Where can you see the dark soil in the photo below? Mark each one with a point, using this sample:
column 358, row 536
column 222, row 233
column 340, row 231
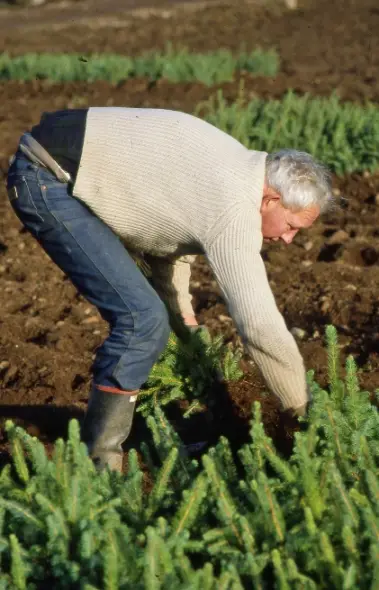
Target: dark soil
column 324, row 46
column 49, row 334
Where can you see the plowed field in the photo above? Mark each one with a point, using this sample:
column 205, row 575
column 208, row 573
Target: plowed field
column 330, row 274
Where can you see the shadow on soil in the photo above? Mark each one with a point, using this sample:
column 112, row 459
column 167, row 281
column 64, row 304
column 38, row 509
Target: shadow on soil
column 46, row 422
column 228, row 414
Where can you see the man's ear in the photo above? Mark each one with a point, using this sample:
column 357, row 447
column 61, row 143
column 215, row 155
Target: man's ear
column 270, row 199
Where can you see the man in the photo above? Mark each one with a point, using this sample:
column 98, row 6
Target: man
column 96, row 185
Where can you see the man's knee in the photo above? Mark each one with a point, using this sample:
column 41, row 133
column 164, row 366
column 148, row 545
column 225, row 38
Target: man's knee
column 153, row 326
column 133, row 346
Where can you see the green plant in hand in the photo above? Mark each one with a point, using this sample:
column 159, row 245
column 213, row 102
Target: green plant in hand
column 188, row 370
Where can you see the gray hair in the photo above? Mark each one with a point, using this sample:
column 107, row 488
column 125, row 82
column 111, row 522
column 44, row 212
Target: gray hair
column 300, row 180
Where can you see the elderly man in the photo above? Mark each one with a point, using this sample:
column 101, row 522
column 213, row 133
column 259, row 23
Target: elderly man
column 96, row 185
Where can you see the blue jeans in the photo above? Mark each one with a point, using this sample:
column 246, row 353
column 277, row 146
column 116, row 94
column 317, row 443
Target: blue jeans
column 99, row 266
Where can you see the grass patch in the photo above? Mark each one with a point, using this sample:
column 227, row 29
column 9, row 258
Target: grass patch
column 174, row 65
column 344, row 136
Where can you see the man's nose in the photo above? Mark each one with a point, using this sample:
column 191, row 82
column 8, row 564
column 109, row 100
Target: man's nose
column 289, row 236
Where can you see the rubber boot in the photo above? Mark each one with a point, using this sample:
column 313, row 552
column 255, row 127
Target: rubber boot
column 107, row 425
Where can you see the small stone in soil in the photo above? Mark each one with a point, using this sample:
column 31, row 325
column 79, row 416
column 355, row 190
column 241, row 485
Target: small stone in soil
column 91, row 320
column 224, row 318
column 298, row 333
column 325, row 306
column 11, row 374
column 4, row 366
column 338, row 237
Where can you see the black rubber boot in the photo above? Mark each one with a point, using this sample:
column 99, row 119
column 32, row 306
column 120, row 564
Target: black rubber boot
column 107, row 425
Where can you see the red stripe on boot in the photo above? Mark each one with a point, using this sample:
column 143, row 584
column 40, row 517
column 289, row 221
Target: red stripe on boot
column 109, row 389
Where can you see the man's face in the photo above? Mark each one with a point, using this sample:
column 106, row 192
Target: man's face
column 279, row 223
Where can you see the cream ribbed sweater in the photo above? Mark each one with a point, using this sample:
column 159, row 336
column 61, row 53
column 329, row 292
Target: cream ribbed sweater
column 171, row 185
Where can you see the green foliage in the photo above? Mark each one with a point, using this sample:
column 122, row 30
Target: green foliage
column 188, row 371
column 309, row 522
column 343, row 136
column 174, row 65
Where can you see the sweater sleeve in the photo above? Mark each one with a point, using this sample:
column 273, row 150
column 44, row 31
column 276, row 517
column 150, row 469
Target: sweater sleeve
column 170, row 279
column 234, row 257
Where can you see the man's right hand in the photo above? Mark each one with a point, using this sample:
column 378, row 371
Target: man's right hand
column 304, row 409
column 190, row 320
